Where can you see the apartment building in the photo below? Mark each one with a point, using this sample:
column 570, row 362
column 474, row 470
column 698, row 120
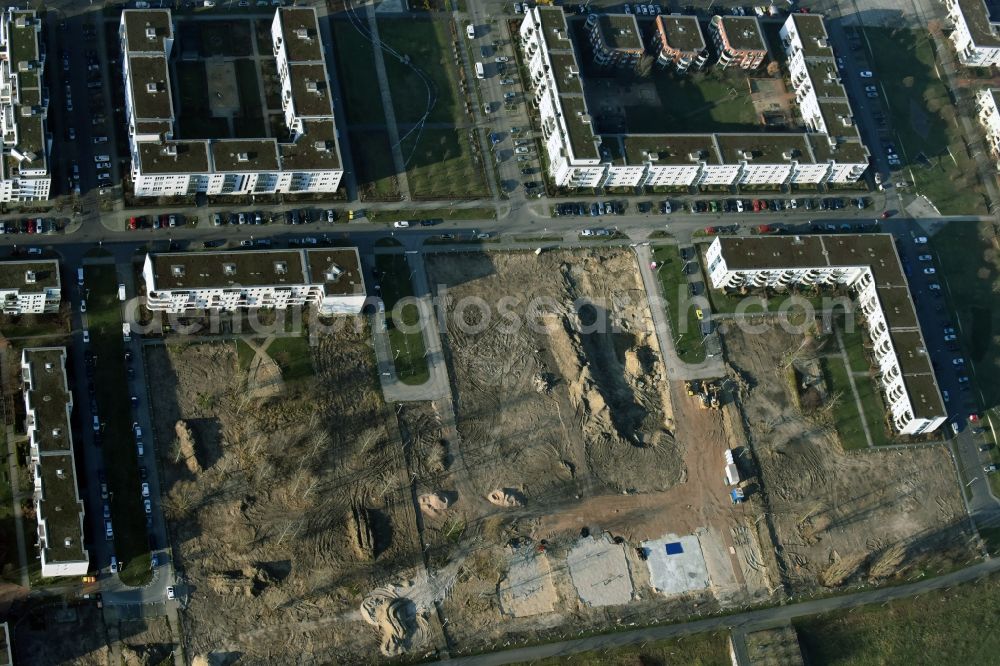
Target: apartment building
column 975, row 34
column 329, row 279
column 678, row 41
column 24, row 100
column 988, row 111
column 166, row 164
column 615, row 40
column 48, row 405
column 579, row 157
column 870, row 267
column 30, row 287
column 738, row 41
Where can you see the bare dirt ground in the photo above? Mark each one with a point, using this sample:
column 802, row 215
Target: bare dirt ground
column 841, row 517
column 297, row 506
column 570, row 402
column 146, row 641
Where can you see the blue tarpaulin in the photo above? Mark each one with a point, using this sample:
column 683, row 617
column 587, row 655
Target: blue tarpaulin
column 674, row 548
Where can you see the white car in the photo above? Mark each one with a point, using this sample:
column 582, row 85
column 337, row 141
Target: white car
column 521, row 150
column 104, row 165
column 865, row 74
column 148, row 506
column 934, row 286
column 145, row 489
column 86, row 336
column 920, row 240
column 925, row 257
column 83, row 306
column 114, row 564
column 170, row 592
column 401, row 224
column 929, row 271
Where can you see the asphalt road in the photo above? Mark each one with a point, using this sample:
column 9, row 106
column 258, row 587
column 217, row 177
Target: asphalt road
column 748, row 621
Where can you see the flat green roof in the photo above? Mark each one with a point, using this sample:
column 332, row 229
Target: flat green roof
column 812, row 32
column 141, row 23
column 310, row 89
column 838, row 117
column 743, row 33
column 681, row 32
column 24, row 40
column 300, row 32
column 173, row 157
column 674, row 149
column 337, row 269
column 566, row 71
column 223, row 270
column 150, row 84
column 554, row 29
column 846, row 151
column 581, row 132
column 768, row 148
column 619, row 31
column 315, row 150
column 243, row 155
column 825, row 79
column 13, row 275
column 61, row 509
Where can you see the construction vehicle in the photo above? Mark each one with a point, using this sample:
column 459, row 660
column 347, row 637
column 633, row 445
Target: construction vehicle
column 706, row 391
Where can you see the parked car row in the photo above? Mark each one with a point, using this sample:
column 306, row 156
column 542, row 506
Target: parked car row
column 31, row 225
column 594, row 209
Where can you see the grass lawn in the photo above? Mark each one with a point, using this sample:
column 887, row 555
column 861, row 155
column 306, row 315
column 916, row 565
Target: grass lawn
column 249, row 89
column 374, row 169
column 120, row 461
column 476, row 213
column 427, row 44
column 356, row 73
column 854, row 345
column 753, row 304
column 960, row 625
column 871, row 403
column 192, row 86
column 711, row 101
column 443, row 164
column 407, row 347
column 225, row 38
column 846, row 418
column 293, row 357
column 709, row 649
column 923, row 117
column 683, row 322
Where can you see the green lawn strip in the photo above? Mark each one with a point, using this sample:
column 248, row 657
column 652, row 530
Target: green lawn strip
column 293, row 357
column 970, row 270
column 708, row 649
column 442, row 164
column 192, row 84
column 854, row 345
column 684, row 325
column 698, row 102
column 871, row 403
column 957, row 625
column 477, row 213
column 923, row 117
column 407, row 347
column 121, row 463
column 9, row 563
column 357, row 75
column 846, row 418
column 427, row 45
column 249, row 88
column 723, row 303
column 373, row 164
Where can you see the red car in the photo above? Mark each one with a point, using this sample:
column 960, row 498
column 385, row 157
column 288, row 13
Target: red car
column 885, row 214
column 31, row 226
column 756, row 206
column 133, row 224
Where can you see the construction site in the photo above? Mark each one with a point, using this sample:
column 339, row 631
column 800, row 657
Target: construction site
column 565, row 483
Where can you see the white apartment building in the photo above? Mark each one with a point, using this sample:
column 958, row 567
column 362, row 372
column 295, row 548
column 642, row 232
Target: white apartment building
column 975, row 35
column 328, row 278
column 580, row 158
column 165, row 164
column 869, row 266
column 24, row 99
column 48, row 405
column 30, row 287
column 988, row 111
